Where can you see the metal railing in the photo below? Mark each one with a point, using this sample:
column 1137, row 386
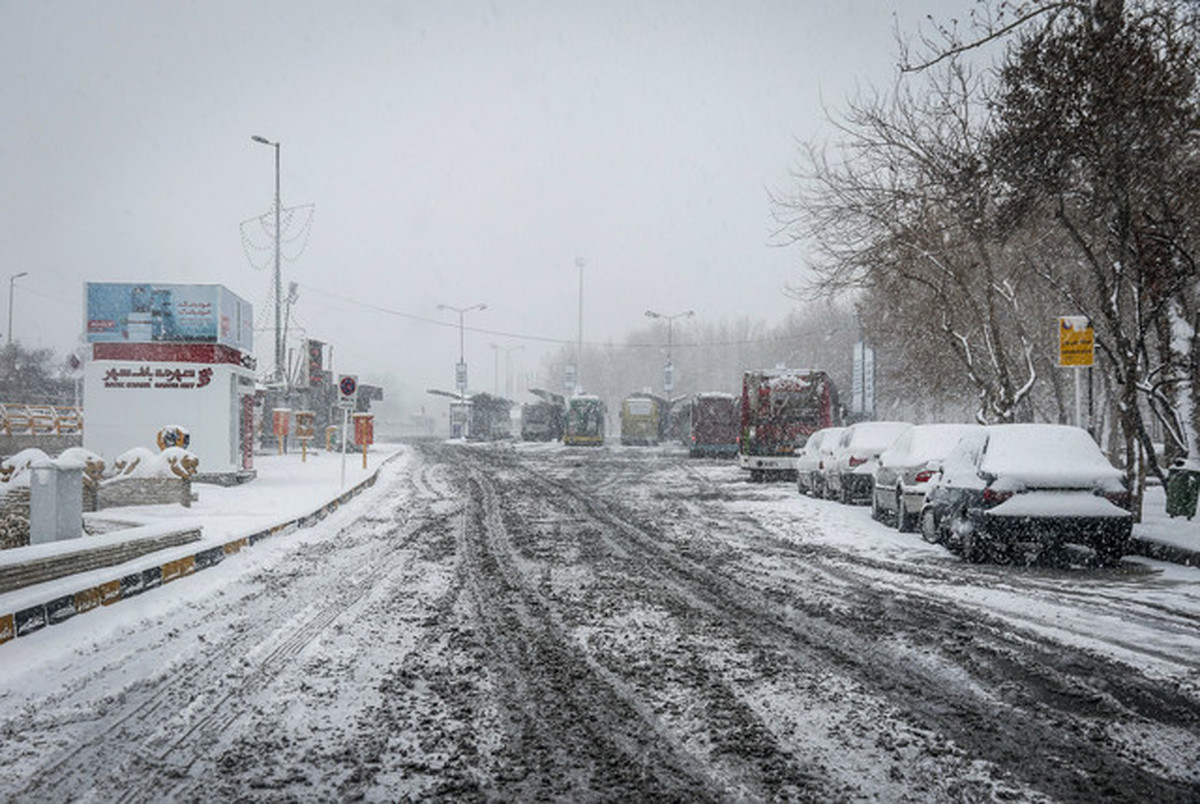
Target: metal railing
column 18, row 419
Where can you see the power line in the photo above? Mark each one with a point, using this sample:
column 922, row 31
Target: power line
column 536, row 338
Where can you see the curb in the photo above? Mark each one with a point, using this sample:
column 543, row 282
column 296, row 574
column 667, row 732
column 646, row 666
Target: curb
column 62, row 608
column 1161, row 551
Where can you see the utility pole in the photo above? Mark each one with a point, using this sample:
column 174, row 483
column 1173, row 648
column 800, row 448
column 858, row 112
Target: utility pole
column 460, row 373
column 279, row 356
column 669, row 369
column 580, row 262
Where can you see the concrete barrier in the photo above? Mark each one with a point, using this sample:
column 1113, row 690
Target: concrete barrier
column 88, row 557
column 59, row 609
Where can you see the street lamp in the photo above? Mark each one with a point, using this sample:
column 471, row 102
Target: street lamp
column 460, row 374
column 669, row 369
column 580, row 262
column 11, row 284
column 279, row 362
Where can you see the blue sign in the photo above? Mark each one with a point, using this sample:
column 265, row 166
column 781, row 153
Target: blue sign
column 142, row 312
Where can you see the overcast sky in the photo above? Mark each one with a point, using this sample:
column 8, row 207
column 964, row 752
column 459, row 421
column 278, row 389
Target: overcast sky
column 456, row 153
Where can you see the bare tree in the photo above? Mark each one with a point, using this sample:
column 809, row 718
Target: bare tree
column 1098, row 133
column 907, row 214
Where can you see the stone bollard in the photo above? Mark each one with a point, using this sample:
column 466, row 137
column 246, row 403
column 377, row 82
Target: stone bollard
column 55, row 501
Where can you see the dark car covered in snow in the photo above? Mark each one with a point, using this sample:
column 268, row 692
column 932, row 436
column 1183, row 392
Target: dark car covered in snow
column 1009, row 489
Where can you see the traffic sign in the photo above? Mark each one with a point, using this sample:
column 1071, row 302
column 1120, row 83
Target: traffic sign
column 1076, row 341
column 347, row 391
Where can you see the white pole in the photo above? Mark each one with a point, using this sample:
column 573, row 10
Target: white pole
column 580, row 262
column 1078, row 398
column 345, row 418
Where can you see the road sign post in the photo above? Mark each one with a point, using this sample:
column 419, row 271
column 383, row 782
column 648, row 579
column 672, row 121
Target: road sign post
column 1077, row 349
column 347, row 400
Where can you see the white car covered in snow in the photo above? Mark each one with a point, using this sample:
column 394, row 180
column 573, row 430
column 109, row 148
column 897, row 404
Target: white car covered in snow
column 1036, row 486
column 850, row 476
column 905, row 468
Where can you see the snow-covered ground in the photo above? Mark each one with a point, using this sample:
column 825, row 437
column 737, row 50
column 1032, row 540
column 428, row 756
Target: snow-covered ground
column 532, row 621
column 288, row 488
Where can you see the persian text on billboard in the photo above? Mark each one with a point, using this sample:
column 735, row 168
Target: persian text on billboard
column 144, row 313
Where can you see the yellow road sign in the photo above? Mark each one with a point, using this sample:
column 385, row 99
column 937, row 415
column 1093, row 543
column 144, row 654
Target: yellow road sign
column 1076, row 341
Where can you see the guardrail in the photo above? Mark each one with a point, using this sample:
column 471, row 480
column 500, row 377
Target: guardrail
column 19, row 419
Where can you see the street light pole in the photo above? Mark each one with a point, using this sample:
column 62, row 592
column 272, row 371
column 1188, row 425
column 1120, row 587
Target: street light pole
column 461, row 380
column 668, row 378
column 579, row 263
column 279, row 361
column 11, row 284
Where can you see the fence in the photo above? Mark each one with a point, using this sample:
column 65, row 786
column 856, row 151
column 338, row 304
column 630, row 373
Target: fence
column 56, row 420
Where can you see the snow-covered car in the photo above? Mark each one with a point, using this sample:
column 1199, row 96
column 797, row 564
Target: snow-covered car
column 1011, row 487
column 809, row 457
column 849, row 477
column 904, row 470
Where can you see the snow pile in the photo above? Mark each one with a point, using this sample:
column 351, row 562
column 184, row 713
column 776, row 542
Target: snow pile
column 141, row 462
column 15, row 469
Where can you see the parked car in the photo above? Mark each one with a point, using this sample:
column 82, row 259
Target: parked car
column 1018, row 486
column 849, row 477
column 808, row 460
column 905, row 468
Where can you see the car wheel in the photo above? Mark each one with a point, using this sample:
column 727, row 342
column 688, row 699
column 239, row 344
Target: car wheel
column 876, row 512
column 756, row 476
column 930, row 531
column 972, row 544
column 844, row 493
column 974, row 550
column 904, row 520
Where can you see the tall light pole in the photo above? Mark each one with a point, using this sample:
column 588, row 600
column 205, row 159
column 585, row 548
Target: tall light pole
column 11, row 284
column 279, row 359
column 580, row 262
column 669, row 369
column 460, row 373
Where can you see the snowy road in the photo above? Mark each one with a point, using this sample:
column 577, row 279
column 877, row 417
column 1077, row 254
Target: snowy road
column 616, row 623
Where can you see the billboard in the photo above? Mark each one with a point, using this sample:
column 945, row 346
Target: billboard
column 142, row 312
